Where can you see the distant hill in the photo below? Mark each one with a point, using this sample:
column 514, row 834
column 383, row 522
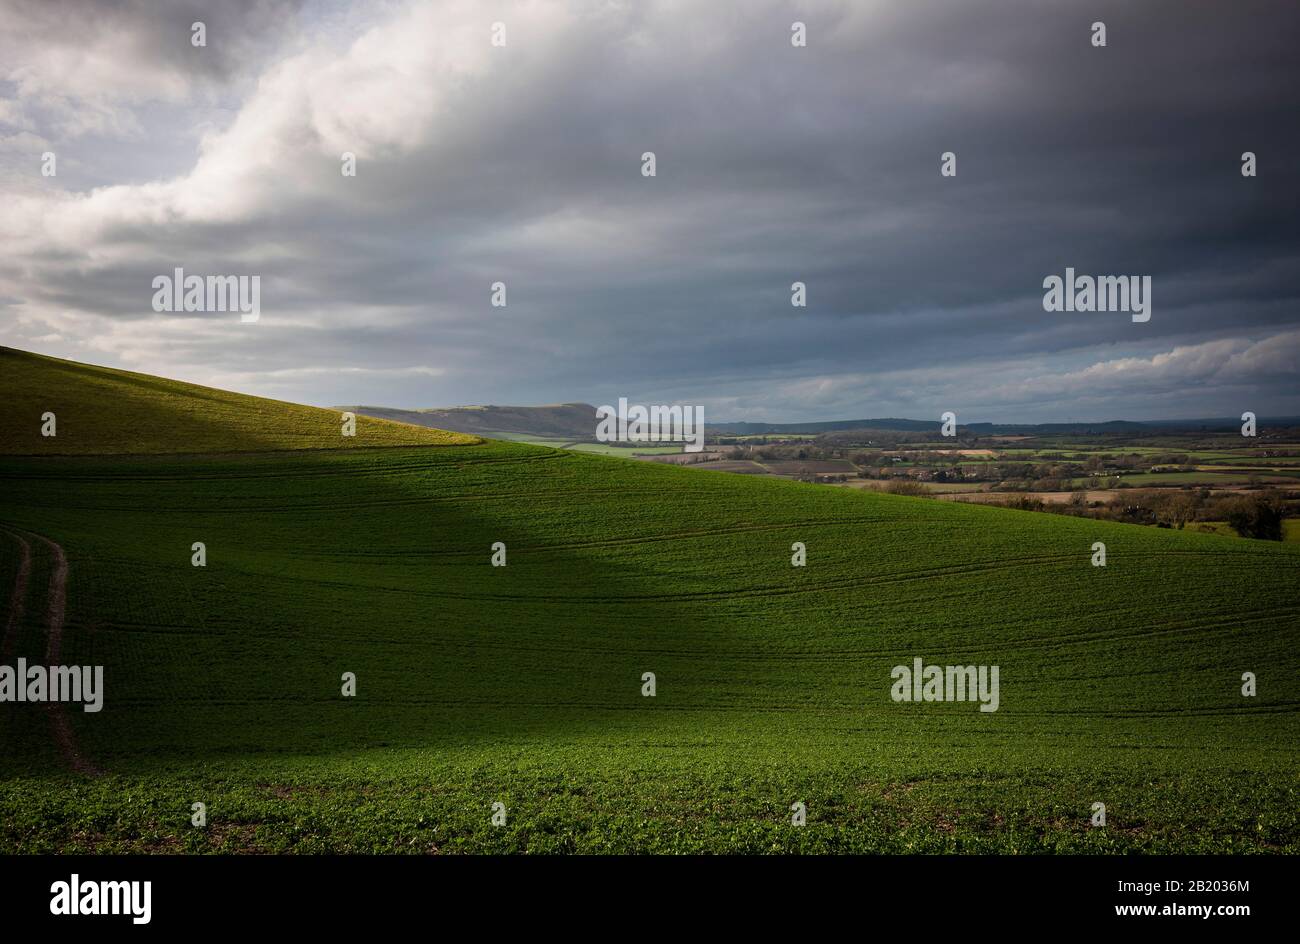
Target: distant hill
column 992, row 429
column 100, row 411
column 559, row 420
column 577, row 421
column 826, row 426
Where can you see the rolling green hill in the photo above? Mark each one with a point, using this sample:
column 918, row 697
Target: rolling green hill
column 99, row 410
column 563, row 421
column 523, row 684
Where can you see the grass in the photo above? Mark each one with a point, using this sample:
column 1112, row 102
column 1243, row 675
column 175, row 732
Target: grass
column 99, row 410
column 523, row 684
column 596, row 448
column 1148, row 479
column 626, row 452
column 1286, row 463
column 1212, row 527
column 510, row 436
column 1290, row 528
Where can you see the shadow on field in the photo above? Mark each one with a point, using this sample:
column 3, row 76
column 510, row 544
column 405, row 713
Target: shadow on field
column 374, row 563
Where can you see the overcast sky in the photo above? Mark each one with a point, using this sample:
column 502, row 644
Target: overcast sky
column 522, row 164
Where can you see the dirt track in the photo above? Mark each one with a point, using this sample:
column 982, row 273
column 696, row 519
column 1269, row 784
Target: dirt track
column 18, row 599
column 55, row 610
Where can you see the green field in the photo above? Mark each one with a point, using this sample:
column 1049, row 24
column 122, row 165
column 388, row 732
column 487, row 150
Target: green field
column 98, row 410
column 522, row 684
column 596, row 448
column 626, row 452
column 1290, row 528
column 1211, row 479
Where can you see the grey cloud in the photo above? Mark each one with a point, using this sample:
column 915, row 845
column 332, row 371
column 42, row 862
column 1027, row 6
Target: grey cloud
column 775, row 164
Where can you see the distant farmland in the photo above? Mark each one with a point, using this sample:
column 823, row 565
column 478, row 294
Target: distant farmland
column 523, row 684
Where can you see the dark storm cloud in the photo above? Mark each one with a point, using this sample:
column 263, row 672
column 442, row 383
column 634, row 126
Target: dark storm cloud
column 775, row 164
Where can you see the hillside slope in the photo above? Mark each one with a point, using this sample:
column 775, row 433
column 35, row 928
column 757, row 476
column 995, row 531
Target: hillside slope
column 575, row 421
column 524, row 684
column 99, row 410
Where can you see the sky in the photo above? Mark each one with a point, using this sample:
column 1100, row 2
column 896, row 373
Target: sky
column 522, row 163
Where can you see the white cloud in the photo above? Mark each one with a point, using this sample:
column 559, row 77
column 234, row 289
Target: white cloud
column 522, row 164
